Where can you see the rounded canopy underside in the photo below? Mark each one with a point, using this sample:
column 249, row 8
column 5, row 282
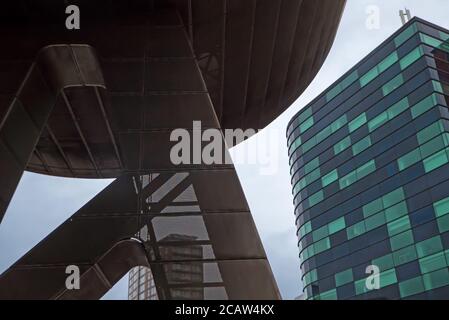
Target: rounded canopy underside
column 255, row 57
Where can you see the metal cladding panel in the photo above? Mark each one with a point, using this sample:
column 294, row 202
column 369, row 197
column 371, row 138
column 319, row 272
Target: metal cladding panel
column 26, row 116
column 161, row 206
column 255, row 58
column 175, row 211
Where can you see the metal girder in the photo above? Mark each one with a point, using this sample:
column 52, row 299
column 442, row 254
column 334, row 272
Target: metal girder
column 190, row 217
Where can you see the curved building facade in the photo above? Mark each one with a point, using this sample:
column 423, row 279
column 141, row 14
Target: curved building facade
column 370, row 173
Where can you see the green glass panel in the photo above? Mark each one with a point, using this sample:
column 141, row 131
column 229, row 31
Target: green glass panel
column 388, row 62
column 308, row 227
column 337, row 225
column 409, row 159
column 321, row 245
column 372, row 207
column 329, row 295
column 341, row 86
column 309, row 144
column 360, row 286
column 433, row 262
column 387, row 278
column 430, row 40
column 441, row 207
column 435, row 161
column 392, row 85
column 342, row 145
column 443, row 35
column 384, row 263
column 397, row 108
column 344, row 277
column 411, row 57
column 301, row 232
column 393, row 197
column 323, row 134
column 329, row 178
column 306, row 125
column 316, row 198
column 350, row 79
column 311, row 251
column 339, row 123
column 375, row 221
column 436, row 279
column 437, row 86
column 369, row 76
column 429, row 246
column 310, row 277
column 355, row 230
column 378, row 121
column 311, row 165
column 320, row 233
column 411, row 287
column 396, row 211
column 307, row 253
column 298, row 187
column 445, row 136
column 308, row 179
column 357, row 122
column 424, row 105
column 305, row 229
column 332, row 93
column 430, row 132
column 432, row 146
column 443, row 223
column 306, row 280
column 404, row 255
column 313, row 275
column 405, row 35
column 347, row 180
column 303, row 255
column 398, row 226
column 295, row 145
column 362, row 145
column 301, row 184
column 304, row 115
column 366, row 169
column 401, row 240
column 313, row 176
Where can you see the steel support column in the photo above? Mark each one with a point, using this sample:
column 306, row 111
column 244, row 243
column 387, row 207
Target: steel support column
column 195, row 210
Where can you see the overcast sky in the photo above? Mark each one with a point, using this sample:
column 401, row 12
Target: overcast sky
column 41, row 203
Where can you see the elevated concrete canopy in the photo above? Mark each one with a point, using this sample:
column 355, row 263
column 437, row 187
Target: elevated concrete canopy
column 102, row 101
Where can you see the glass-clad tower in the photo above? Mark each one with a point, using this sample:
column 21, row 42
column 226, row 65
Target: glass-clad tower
column 370, row 173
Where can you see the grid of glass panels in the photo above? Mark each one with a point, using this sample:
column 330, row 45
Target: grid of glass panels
column 369, row 134
column 375, row 123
